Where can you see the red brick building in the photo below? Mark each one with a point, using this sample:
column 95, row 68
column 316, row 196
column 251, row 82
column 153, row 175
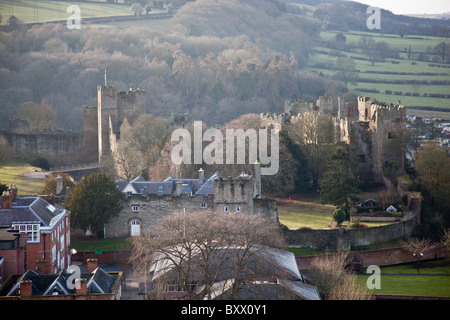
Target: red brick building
column 95, row 284
column 12, row 253
column 47, row 229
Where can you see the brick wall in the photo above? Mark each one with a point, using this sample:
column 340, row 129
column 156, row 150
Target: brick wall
column 380, row 257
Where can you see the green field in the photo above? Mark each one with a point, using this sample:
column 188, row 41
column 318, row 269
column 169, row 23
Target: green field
column 28, row 179
column 30, row 11
column 382, row 75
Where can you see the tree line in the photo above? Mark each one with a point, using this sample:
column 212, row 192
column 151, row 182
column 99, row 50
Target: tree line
column 220, row 60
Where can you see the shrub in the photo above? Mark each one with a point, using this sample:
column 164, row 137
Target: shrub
column 40, row 162
column 338, row 216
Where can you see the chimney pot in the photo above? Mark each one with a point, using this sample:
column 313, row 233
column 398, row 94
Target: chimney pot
column 91, row 265
column 201, row 175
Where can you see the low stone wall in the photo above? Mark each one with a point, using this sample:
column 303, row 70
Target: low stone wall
column 344, row 239
column 376, row 219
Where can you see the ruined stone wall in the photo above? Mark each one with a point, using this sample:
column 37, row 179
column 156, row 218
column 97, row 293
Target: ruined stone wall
column 57, row 146
column 130, row 105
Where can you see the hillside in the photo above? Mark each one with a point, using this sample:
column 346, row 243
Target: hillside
column 215, row 60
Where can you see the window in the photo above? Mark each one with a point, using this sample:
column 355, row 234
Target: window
column 128, row 193
column 203, row 205
column 61, row 241
column 134, row 208
column 32, row 231
column 53, row 254
column 361, row 158
column 225, row 209
column 174, row 286
column 238, row 209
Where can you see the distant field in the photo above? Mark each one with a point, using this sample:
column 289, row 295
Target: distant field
column 22, row 175
column 392, row 79
column 29, row 11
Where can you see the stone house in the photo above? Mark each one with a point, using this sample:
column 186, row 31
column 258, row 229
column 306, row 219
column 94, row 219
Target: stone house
column 147, row 201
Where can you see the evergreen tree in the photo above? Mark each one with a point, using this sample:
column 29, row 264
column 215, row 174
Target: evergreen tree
column 339, row 181
column 93, row 202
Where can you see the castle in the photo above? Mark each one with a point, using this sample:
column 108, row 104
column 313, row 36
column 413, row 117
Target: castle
column 374, row 128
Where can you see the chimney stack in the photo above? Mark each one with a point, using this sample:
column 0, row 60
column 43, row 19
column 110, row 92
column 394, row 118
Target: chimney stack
column 91, row 265
column 257, row 193
column 201, row 175
column 59, row 184
column 26, row 288
column 5, row 200
column 80, row 286
column 178, row 188
column 13, row 192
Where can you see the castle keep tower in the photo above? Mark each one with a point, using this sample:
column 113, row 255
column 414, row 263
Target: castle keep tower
column 113, row 108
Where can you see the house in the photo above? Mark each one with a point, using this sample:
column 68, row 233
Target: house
column 148, row 201
column 264, row 273
column 47, row 229
column 95, row 284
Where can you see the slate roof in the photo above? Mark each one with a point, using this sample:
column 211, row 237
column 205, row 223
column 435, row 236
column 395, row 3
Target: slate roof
column 271, row 274
column 30, row 209
column 98, row 281
column 166, row 187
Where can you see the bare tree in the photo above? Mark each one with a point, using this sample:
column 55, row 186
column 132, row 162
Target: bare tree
column 202, row 254
column 418, row 248
column 333, row 282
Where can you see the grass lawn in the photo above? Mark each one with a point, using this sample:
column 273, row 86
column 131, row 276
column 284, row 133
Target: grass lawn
column 102, row 244
column 433, row 279
column 305, row 210
column 438, row 286
column 16, row 172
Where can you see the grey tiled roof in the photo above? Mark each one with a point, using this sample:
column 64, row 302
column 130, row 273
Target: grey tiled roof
column 208, row 186
column 29, row 209
column 98, row 281
column 166, row 187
